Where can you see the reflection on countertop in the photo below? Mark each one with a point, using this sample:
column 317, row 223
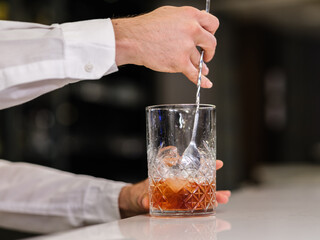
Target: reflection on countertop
column 145, row 227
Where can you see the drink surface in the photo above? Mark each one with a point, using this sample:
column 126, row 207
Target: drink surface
column 175, row 194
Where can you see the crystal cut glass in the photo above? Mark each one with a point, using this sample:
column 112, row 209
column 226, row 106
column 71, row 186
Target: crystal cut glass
column 177, row 189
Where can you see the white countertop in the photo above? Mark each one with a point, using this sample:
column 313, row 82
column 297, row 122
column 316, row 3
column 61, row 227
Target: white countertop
column 287, row 206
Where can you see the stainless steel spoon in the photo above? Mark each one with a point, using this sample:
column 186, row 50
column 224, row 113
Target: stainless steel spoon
column 191, row 156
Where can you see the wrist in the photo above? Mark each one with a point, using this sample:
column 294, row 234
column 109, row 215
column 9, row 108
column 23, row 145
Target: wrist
column 124, row 201
column 126, row 46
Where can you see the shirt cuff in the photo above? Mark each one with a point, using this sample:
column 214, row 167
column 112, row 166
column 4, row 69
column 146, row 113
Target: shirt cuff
column 89, row 49
column 101, row 201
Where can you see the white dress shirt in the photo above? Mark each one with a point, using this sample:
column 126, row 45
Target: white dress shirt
column 40, row 199
column 36, row 59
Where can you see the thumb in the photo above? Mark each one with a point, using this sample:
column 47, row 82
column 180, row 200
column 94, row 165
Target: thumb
column 145, row 202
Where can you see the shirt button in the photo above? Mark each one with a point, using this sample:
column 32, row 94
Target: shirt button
column 88, row 67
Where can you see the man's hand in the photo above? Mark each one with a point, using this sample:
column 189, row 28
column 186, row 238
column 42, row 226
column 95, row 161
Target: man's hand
column 134, row 199
column 165, row 40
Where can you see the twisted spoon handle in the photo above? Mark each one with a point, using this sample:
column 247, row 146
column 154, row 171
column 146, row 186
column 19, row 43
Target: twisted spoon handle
column 201, row 63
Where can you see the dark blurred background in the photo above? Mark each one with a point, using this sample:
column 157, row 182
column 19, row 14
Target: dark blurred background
column 266, row 76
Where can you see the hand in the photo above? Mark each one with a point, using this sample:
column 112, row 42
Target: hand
column 134, row 199
column 165, row 40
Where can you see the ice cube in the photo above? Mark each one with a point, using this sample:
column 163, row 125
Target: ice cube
column 176, row 184
column 169, row 156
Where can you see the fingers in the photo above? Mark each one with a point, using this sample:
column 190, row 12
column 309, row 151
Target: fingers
column 145, row 202
column 208, row 22
column 205, row 69
column 195, row 60
column 191, row 72
column 206, row 40
column 208, row 43
column 133, row 199
column 226, row 193
column 222, row 197
column 219, row 164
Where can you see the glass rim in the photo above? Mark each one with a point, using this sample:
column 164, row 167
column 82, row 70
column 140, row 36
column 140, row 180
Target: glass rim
column 179, row 106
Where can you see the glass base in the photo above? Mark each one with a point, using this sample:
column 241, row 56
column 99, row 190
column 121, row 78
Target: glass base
column 159, row 213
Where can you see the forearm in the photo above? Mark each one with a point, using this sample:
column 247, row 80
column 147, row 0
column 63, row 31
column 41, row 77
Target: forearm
column 65, row 200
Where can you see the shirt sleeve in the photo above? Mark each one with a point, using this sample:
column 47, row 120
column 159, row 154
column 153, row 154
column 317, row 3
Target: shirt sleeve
column 36, row 59
column 63, row 200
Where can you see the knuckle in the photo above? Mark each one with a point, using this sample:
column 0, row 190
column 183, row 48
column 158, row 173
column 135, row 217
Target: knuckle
column 183, row 61
column 216, row 21
column 191, row 11
column 211, row 44
column 209, row 53
column 192, row 75
column 207, row 57
column 187, row 46
column 193, row 29
column 213, row 41
column 187, row 69
column 214, row 24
